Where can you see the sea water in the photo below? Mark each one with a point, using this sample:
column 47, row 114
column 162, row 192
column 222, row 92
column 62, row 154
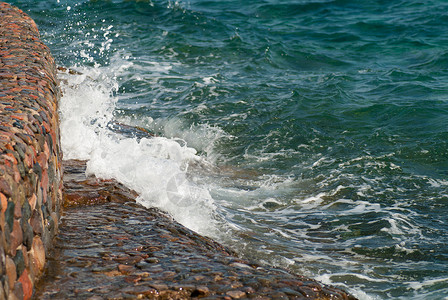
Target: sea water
column 306, row 134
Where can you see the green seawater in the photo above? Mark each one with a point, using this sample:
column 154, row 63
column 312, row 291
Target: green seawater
column 326, row 120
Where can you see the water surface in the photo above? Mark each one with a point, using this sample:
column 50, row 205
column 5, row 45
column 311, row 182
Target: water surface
column 310, row 135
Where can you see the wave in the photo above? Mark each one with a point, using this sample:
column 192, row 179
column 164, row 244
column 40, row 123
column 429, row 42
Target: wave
column 155, row 167
column 315, row 143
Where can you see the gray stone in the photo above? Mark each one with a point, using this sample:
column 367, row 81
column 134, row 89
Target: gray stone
column 26, row 211
column 27, row 234
column 9, row 214
column 19, row 262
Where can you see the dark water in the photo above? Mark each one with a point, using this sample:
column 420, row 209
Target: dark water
column 320, row 126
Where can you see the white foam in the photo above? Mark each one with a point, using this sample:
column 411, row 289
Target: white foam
column 156, row 168
column 436, row 183
column 419, row 285
column 201, row 137
column 312, row 201
column 359, row 294
column 401, row 225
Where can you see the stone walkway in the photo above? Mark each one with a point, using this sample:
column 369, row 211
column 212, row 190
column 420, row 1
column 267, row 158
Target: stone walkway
column 113, row 248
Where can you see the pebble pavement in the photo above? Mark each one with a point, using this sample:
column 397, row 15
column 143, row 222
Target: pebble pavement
column 109, row 247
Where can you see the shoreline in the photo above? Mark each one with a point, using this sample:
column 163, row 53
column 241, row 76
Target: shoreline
column 173, row 263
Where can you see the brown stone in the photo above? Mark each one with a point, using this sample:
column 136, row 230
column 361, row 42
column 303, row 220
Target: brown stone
column 140, row 291
column 25, row 256
column 36, row 223
column 5, row 188
column 27, row 285
column 125, row 269
column 4, row 202
column 33, row 269
column 201, row 291
column 32, row 201
column 132, row 279
column 11, row 272
column 236, row 294
column 38, row 253
column 16, row 237
column 17, row 211
column 159, row 286
column 44, row 181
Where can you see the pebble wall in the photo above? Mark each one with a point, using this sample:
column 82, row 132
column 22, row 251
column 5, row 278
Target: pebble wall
column 30, row 153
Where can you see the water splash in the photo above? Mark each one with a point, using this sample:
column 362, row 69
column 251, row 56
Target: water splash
column 155, row 167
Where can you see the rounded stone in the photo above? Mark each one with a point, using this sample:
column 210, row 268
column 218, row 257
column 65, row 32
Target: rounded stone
column 125, row 269
column 236, row 294
column 11, row 272
column 17, row 211
column 18, row 290
column 28, row 236
column 4, row 202
column 27, row 285
column 9, row 213
column 200, row 291
column 16, row 237
column 26, row 211
column 19, row 262
column 37, row 253
column 36, row 223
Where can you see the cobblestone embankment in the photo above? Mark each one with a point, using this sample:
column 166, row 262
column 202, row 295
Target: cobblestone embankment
column 30, row 157
column 108, row 247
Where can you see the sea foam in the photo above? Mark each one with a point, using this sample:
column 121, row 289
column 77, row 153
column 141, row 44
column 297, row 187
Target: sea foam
column 155, row 167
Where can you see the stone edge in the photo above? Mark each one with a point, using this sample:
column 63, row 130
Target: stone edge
column 30, row 154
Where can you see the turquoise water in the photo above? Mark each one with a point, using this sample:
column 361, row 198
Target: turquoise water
column 313, row 133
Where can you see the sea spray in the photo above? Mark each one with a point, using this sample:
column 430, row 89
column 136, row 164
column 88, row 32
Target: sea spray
column 155, row 167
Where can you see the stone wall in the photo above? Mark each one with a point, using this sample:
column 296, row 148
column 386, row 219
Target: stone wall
column 30, row 153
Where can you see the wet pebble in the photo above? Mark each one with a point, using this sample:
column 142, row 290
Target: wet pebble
column 236, row 294
column 125, row 269
column 152, row 260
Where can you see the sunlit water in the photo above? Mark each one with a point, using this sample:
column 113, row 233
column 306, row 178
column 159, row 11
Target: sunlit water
column 310, row 135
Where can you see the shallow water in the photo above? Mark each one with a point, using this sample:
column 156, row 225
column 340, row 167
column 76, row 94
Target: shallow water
column 306, row 134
